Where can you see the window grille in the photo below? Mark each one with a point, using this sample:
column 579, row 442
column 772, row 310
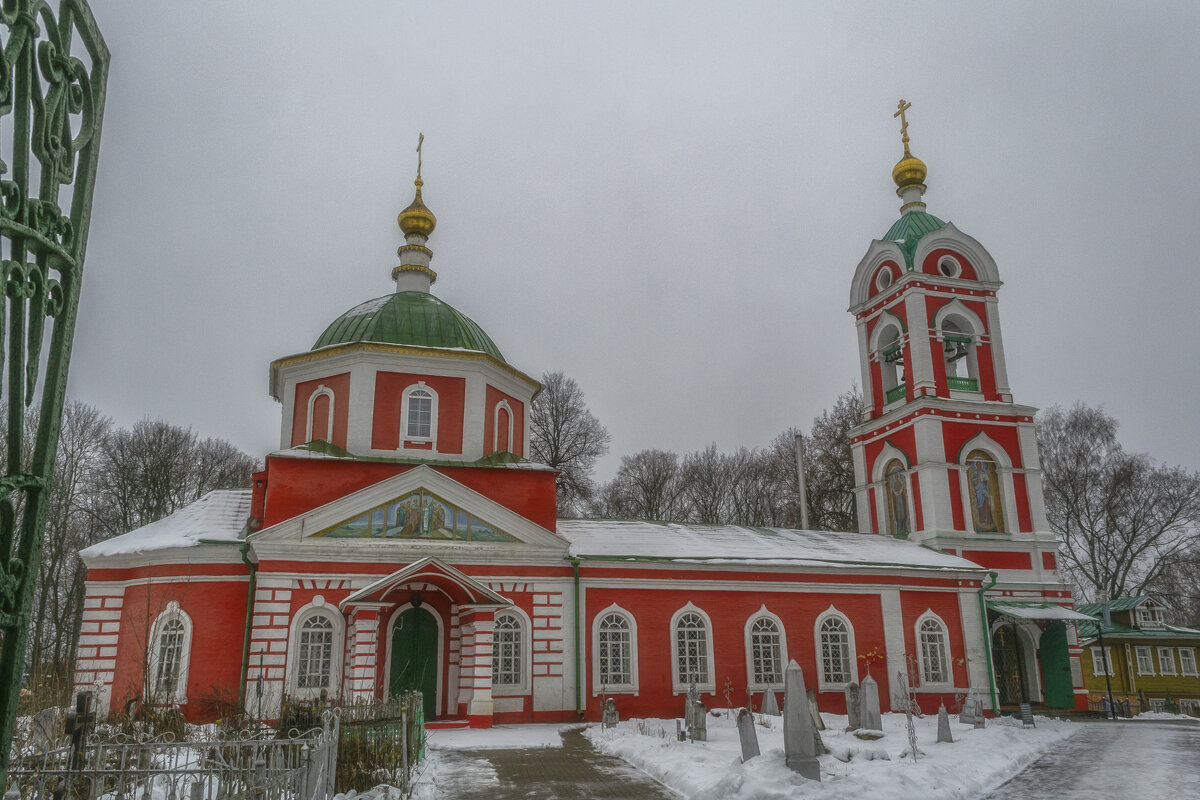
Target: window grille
column 935, row 662
column 691, row 649
column 835, row 651
column 766, row 652
column 314, row 659
column 170, row 658
column 1187, row 659
column 1145, row 664
column 1166, row 661
column 614, row 648
column 506, row 651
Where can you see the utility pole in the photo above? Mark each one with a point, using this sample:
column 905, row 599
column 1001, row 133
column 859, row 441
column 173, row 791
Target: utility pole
column 803, row 483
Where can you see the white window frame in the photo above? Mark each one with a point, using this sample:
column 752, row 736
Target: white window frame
column 1170, row 659
column 1184, row 662
column 824, row 685
column 503, row 404
column 748, row 632
column 1098, row 661
column 947, row 663
column 1158, row 704
column 173, row 611
column 623, row 688
column 321, row 391
column 1190, row 706
column 419, row 386
column 1143, row 667
column 526, row 656
column 336, row 655
column 1004, row 472
column 677, row 685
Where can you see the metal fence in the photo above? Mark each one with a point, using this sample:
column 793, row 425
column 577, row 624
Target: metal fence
column 248, row 765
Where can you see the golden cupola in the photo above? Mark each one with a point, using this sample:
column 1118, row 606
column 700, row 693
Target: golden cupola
column 417, row 219
column 909, row 172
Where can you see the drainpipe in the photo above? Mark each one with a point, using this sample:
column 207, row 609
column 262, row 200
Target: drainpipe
column 578, row 654
column 987, row 639
column 245, row 550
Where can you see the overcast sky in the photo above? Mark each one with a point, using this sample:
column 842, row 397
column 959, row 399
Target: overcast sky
column 666, row 201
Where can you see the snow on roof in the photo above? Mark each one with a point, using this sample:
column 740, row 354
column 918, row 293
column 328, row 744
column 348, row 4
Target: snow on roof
column 635, row 539
column 219, row 515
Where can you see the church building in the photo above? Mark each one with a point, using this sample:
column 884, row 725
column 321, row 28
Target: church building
column 401, row 538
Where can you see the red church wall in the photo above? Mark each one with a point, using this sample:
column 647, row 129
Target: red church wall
column 999, row 559
column 340, row 386
column 930, row 265
column 218, row 613
column 388, row 411
column 1021, row 492
column 728, row 612
column 492, row 399
column 297, row 485
column 945, row 604
column 956, row 504
column 916, row 498
column 957, row 434
column 904, row 439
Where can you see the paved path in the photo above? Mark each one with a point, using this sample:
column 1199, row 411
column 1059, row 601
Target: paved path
column 1142, row 760
column 573, row 772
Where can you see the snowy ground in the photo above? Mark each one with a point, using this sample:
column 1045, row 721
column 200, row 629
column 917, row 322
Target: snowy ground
column 977, row 761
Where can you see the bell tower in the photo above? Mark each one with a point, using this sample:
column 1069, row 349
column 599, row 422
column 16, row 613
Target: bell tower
column 943, row 455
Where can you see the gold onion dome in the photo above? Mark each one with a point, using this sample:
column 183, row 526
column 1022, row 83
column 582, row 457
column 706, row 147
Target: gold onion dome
column 417, row 219
column 909, row 171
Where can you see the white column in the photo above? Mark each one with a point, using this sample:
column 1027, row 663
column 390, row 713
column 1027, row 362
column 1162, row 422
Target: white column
column 920, row 368
column 893, row 643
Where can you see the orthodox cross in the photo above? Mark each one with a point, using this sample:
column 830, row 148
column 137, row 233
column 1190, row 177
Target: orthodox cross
column 420, row 141
column 79, row 726
column 901, row 108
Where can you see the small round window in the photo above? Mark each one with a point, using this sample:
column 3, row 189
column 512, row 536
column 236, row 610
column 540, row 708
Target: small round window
column 949, row 267
column 884, row 279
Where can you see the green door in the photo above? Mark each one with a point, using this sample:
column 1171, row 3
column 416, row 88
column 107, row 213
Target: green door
column 1056, row 667
column 415, row 658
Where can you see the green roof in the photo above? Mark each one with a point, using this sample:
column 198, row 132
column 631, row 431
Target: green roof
column 909, row 229
column 1089, row 630
column 412, row 318
column 1116, row 604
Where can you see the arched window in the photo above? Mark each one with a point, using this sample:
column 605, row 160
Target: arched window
column 983, row 486
column 316, row 651
column 766, row 653
column 891, row 363
column 420, row 415
column 170, row 653
column 508, row 665
column 837, row 652
column 935, row 655
column 896, row 491
column 693, row 650
column 502, row 428
column 615, row 654
column 320, row 415
column 314, row 658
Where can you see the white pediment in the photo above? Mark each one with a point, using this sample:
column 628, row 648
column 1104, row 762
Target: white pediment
column 421, row 509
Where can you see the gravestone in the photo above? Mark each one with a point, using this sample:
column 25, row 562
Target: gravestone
column 699, row 722
column 799, row 734
column 818, row 723
column 1027, row 716
column 747, row 734
column 680, row 735
column 770, row 705
column 689, row 707
column 853, row 707
column 944, row 734
column 972, row 711
column 45, row 729
column 79, row 726
column 871, row 719
column 611, row 718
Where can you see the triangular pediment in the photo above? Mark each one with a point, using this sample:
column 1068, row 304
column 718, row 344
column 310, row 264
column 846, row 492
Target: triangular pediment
column 419, row 507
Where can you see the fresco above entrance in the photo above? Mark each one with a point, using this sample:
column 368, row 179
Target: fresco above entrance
column 418, row 515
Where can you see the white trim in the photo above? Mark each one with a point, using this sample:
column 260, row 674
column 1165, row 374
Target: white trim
column 711, row 684
column 887, row 454
column 503, row 404
column 318, row 607
column 525, row 630
column 1162, row 670
column 1098, row 661
column 954, row 267
column 1191, row 651
column 948, row 663
column 627, row 688
column 1004, row 473
column 1138, row 652
column 822, row 683
column 763, row 613
column 173, row 611
column 321, row 391
column 442, row 699
column 419, row 386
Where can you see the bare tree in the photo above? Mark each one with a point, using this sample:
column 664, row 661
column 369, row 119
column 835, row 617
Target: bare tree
column 1123, row 520
column 648, row 485
column 565, row 435
column 708, row 478
column 829, row 466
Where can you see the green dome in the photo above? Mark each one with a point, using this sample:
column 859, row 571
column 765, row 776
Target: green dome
column 412, row 318
column 909, row 229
